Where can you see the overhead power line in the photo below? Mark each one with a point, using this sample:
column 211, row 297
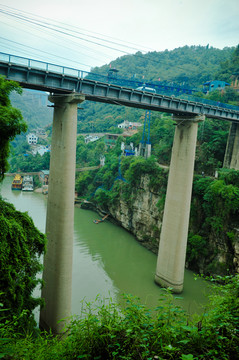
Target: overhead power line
column 88, row 49
column 42, row 51
column 101, row 38
column 69, row 32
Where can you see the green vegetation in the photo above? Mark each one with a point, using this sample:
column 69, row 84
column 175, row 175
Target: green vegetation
column 11, row 121
column 21, row 247
column 214, row 218
column 229, row 68
column 21, row 243
column 104, row 331
column 30, row 163
column 189, row 65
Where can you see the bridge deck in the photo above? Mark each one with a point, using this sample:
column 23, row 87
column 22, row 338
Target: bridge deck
column 59, row 80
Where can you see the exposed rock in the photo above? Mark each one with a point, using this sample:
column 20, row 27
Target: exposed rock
column 141, row 216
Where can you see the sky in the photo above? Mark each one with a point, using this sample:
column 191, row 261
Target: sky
column 86, row 33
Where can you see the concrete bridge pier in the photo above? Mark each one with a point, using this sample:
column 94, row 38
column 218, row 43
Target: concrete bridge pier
column 231, row 158
column 174, row 232
column 57, row 273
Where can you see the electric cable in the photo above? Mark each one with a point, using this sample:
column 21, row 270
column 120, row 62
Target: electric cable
column 47, row 20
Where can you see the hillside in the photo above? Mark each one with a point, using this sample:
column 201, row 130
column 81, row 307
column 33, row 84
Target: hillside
column 189, row 65
column 33, row 106
column 186, row 66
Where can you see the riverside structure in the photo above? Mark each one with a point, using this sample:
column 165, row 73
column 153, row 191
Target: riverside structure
column 68, row 87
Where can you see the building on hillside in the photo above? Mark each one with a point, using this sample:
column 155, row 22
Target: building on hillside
column 214, row 85
column 32, row 139
column 44, row 176
column 111, row 139
column 91, row 138
column 129, row 125
column 41, row 133
column 41, row 150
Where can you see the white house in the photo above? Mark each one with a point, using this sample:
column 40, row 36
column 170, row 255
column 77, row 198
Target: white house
column 129, row 125
column 91, row 138
column 32, row 139
column 41, row 150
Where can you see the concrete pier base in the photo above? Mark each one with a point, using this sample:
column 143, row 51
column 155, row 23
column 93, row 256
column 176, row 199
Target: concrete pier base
column 174, row 233
column 57, row 273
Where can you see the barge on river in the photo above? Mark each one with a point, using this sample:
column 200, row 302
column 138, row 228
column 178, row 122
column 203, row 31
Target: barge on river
column 17, row 182
column 27, row 184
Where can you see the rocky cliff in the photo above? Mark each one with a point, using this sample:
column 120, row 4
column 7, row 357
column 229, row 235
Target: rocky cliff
column 141, row 215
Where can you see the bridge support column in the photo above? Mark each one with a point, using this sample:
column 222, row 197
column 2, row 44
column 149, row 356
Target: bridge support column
column 230, row 145
column 57, row 273
column 233, row 145
column 174, row 232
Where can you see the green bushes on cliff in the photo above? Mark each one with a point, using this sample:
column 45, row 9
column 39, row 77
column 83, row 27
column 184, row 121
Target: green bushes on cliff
column 214, row 217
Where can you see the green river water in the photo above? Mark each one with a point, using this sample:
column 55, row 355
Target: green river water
column 107, row 260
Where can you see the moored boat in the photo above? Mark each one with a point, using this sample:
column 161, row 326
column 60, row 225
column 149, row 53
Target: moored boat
column 27, row 184
column 17, row 182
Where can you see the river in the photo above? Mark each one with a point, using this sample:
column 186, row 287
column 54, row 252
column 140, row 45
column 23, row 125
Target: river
column 107, row 260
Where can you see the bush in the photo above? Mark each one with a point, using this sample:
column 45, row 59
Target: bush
column 21, row 246
column 105, row 332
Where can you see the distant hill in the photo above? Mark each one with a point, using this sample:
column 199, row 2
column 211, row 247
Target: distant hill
column 187, row 66
column 33, row 106
column 190, row 65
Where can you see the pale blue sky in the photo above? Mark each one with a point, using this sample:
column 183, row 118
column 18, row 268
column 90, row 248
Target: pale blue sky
column 151, row 25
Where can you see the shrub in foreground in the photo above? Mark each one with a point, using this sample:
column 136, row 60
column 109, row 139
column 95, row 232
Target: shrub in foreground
column 134, row 332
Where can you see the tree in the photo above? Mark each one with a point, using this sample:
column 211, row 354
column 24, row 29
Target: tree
column 11, row 121
column 22, row 244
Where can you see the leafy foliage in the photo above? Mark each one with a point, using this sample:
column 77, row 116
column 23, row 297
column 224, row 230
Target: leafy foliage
column 11, row 121
column 214, row 214
column 28, row 162
column 134, row 332
column 230, row 68
column 21, row 246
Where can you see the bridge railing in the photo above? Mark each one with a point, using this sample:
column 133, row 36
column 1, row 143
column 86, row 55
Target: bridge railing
column 161, row 88
column 41, row 65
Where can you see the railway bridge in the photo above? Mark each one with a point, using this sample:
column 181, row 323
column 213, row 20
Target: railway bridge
column 69, row 87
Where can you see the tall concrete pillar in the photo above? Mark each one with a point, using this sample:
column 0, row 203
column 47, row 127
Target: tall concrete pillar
column 57, row 273
column 230, row 145
column 174, row 232
column 234, row 164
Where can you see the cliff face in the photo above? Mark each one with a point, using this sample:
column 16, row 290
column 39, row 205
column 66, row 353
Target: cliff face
column 140, row 215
